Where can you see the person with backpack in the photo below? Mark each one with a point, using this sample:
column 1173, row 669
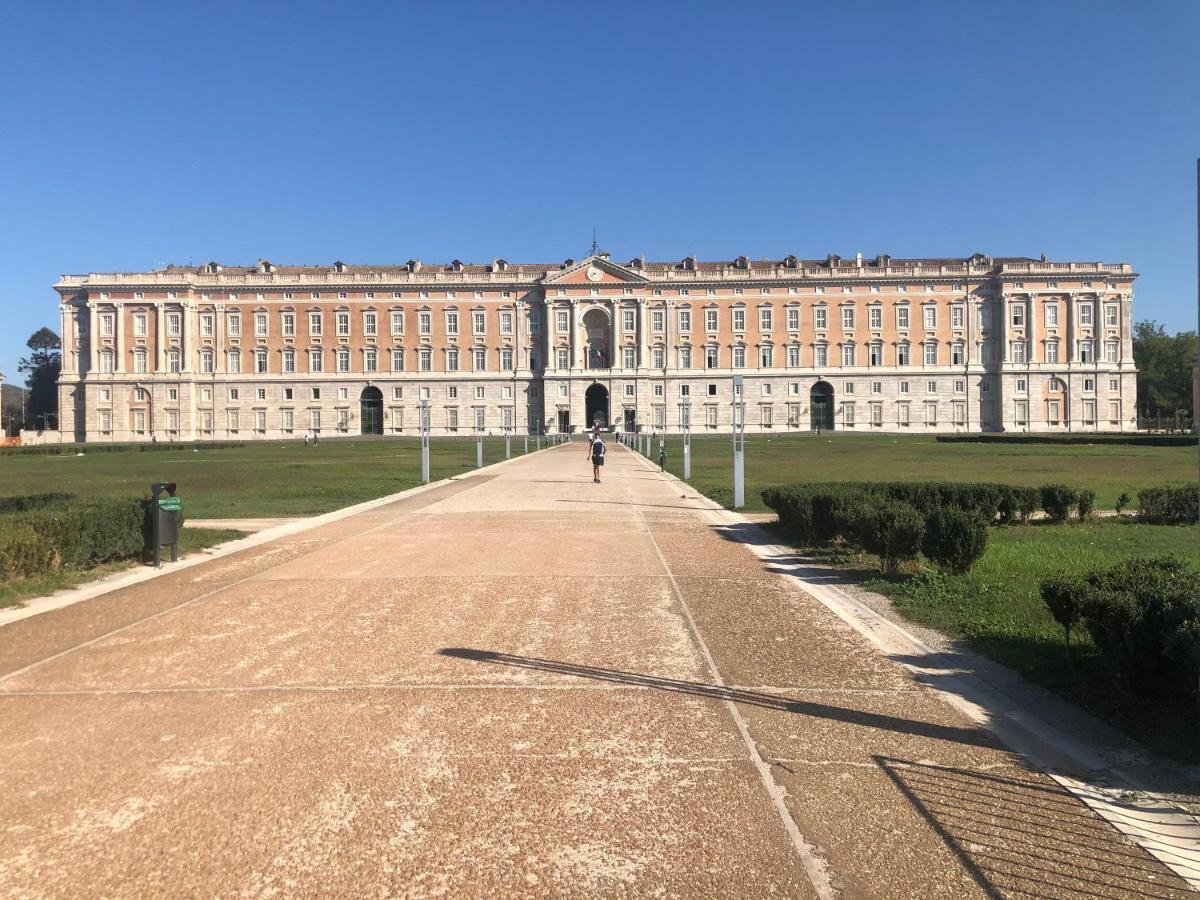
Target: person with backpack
column 596, row 454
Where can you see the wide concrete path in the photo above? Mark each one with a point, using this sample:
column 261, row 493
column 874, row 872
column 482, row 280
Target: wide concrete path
column 521, row 683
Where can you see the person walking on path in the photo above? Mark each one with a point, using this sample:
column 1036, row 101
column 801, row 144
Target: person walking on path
column 596, row 454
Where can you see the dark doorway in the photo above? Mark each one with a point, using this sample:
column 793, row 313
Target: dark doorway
column 630, row 420
column 820, row 400
column 564, row 421
column 596, row 399
column 371, row 410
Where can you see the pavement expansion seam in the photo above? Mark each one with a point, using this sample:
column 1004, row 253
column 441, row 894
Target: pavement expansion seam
column 1180, row 856
column 815, row 868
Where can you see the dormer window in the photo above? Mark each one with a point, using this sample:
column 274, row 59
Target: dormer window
column 265, row 267
column 499, row 265
column 742, row 262
column 457, row 265
column 339, row 266
column 212, row 268
column 791, row 262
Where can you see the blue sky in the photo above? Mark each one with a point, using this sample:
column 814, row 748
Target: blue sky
column 136, row 134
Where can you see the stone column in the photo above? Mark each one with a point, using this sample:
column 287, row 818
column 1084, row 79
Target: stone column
column 518, row 344
column 93, row 336
column 187, row 331
column 219, row 339
column 614, row 353
column 1126, row 325
column 69, row 344
column 643, row 334
column 119, row 335
column 1031, row 320
column 1072, row 312
column 576, row 362
column 973, row 331
column 1002, row 331
column 160, row 337
column 551, row 330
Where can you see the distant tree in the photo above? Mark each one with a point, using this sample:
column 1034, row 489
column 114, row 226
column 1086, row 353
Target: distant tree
column 42, row 365
column 1164, row 362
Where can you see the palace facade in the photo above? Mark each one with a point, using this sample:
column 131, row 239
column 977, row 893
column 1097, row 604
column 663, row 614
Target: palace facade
column 210, row 352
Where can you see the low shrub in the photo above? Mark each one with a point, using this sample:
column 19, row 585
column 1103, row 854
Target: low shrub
column 74, row 537
column 1122, row 502
column 1085, row 502
column 1169, row 506
column 888, row 528
column 23, row 503
column 954, row 539
column 1017, row 503
column 1143, row 615
column 1057, row 500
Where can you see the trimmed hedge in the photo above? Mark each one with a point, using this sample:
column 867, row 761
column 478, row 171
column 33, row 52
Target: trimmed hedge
column 27, row 502
column 891, row 529
column 1057, row 500
column 76, row 537
column 954, row 539
column 1146, row 440
column 1169, row 506
column 1143, row 615
column 72, row 449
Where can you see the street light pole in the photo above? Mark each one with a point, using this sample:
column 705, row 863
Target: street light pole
column 739, row 444
column 425, row 441
column 687, row 440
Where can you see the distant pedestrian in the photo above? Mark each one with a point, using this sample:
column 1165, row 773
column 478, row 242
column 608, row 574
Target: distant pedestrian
column 596, row 454
column 306, row 439
column 316, row 437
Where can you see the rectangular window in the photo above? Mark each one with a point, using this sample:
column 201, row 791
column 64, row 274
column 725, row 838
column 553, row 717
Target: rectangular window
column 765, row 319
column 876, row 387
column 1110, row 351
column 629, row 357
column 235, row 324
column 848, row 414
column 506, row 322
column 1114, row 411
column 343, row 324
column 174, row 323
column 1052, row 352
column 561, row 320
column 314, row 324
column 628, row 321
column 874, row 317
column 931, row 354
column 685, row 321
column 710, row 320
column 260, row 421
column 901, row 316
column 1021, row 412
column 1051, row 315
column 1018, row 352
column 739, row 319
column 847, row 354
column 232, row 421
column 820, row 356
column 902, row 414
column 564, row 357
column 739, row 357
column 424, row 322
column 479, row 359
column 820, row 318
column 398, row 360
column 960, row 386
column 370, row 324
column 397, row 318
column 478, row 322
column 506, row 359
column 903, row 387
column 957, row 316
column 793, row 356
column 766, row 357
column 451, row 322
column 847, row 318
column 931, row 412
column 206, row 325
column 931, row 387
column 288, row 324
column 656, row 320
column 875, row 355
column 958, row 412
column 370, row 360
column 1087, row 351
column 1018, row 314
column 711, row 357
column 288, row 421
column 260, row 324
column 1085, row 313
column 1110, row 315
column 877, row 414
column 930, row 314
column 1022, row 385
column 106, row 325
column 139, row 325
column 793, row 318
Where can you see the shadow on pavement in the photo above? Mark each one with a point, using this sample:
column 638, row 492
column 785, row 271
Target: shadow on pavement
column 1018, row 836
column 977, row 737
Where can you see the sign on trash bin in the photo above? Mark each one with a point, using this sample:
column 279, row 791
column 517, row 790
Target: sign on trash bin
column 165, row 519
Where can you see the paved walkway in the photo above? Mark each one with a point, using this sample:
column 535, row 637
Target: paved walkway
column 519, row 683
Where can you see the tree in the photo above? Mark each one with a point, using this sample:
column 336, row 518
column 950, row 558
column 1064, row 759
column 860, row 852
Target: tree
column 43, row 365
column 1164, row 362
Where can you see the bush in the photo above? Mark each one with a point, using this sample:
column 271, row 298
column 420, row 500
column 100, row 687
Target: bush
column 33, row 501
column 76, row 537
column 1085, row 502
column 954, row 539
column 1057, row 500
column 888, row 528
column 1169, row 506
column 1143, row 615
column 1122, row 502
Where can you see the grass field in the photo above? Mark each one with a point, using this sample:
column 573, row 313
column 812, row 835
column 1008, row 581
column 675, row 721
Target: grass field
column 774, row 460
column 261, row 479
column 998, row 611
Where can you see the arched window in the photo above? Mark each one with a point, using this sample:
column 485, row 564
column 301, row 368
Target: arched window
column 260, row 361
column 956, row 353
column 343, row 359
column 426, row 359
column 234, row 359
column 766, row 356
column 849, row 353
column 316, row 360
column 479, row 359
column 289, row 360
column 206, row 362
column 875, row 352
column 370, row 360
column 452, row 360
column 174, row 361
column 398, row 359
column 931, row 353
column 903, row 354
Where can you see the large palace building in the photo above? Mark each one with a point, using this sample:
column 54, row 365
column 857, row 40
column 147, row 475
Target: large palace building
column 1007, row 344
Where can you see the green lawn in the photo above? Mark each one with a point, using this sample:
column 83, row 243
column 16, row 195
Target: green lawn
column 771, row 460
column 15, row 591
column 261, row 479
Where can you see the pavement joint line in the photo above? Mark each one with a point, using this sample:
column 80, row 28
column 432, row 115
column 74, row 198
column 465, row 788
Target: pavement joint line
column 1023, row 732
column 815, row 868
column 400, row 686
column 340, row 514
column 38, row 605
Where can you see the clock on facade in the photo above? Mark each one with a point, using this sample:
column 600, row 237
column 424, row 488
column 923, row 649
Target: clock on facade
column 594, row 274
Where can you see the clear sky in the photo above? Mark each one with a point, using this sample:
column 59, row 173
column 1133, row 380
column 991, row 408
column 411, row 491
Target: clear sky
column 137, row 134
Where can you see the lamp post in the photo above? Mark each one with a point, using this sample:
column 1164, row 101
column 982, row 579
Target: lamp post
column 687, row 440
column 479, row 446
column 739, row 444
column 3, row 430
column 424, row 430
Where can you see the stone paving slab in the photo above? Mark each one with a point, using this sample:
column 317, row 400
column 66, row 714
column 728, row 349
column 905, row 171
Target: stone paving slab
column 525, row 684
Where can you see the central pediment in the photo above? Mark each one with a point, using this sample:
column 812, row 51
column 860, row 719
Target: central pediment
column 597, row 270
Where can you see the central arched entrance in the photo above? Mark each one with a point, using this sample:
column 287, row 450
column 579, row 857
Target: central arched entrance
column 599, row 333
column 597, row 405
column 820, row 402
column 370, row 403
